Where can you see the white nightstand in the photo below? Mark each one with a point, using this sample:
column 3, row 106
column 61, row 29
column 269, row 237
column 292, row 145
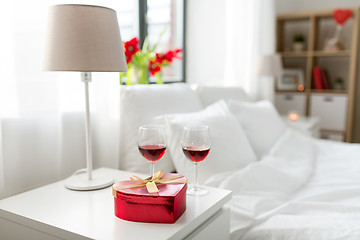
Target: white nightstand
column 306, row 125
column 54, row 212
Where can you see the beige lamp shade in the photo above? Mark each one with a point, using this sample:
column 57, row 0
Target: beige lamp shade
column 83, row 38
column 270, row 65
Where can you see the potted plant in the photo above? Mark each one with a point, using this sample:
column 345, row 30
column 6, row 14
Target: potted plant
column 145, row 61
column 339, row 83
column 299, row 43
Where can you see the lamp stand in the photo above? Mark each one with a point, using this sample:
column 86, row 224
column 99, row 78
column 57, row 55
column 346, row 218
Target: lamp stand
column 85, row 179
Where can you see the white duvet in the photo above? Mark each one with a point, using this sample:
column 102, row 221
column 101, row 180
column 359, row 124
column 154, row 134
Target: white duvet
column 303, row 189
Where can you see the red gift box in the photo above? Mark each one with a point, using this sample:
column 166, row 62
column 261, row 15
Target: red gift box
column 137, row 204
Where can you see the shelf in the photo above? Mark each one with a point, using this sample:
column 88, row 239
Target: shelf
column 289, row 91
column 307, row 15
column 294, row 54
column 332, row 131
column 343, row 53
column 289, row 54
column 304, row 15
column 327, row 91
column 332, row 91
column 317, row 27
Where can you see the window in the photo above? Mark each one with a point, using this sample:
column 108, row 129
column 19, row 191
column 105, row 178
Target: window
column 128, row 17
column 150, row 18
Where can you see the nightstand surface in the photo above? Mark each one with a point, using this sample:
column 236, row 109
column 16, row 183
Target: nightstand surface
column 62, row 213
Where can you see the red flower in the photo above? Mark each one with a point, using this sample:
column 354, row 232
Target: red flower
column 128, row 58
column 131, row 47
column 154, row 67
column 160, row 57
column 163, row 59
column 170, row 55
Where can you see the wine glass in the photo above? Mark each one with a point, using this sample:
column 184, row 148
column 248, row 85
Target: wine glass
column 196, row 146
column 152, row 143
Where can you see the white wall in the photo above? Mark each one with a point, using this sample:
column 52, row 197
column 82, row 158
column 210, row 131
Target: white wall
column 283, row 6
column 205, row 39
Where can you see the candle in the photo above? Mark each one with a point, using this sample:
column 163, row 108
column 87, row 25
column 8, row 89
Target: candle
column 293, row 116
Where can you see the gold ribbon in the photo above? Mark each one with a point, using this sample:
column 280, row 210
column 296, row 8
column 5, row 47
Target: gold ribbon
column 151, row 183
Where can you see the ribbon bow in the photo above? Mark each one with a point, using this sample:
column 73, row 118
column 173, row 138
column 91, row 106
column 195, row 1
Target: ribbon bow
column 151, row 183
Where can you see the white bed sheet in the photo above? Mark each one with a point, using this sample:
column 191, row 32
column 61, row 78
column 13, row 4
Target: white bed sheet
column 304, row 189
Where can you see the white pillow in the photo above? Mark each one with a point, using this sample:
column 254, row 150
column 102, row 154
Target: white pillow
column 139, row 105
column 229, row 150
column 261, row 122
column 210, row 95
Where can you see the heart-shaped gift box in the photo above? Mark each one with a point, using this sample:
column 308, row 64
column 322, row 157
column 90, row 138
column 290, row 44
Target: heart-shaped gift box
column 138, row 205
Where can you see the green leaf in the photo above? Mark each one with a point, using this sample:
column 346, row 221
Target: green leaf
column 158, row 41
column 129, row 75
column 145, row 47
column 158, row 79
column 121, row 76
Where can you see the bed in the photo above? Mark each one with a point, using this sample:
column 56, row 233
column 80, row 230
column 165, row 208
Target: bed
column 285, row 185
column 304, row 188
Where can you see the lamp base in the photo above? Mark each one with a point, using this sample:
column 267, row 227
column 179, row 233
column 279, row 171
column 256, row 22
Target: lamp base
column 80, row 182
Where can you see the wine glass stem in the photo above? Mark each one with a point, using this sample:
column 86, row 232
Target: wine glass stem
column 152, row 168
column 196, row 176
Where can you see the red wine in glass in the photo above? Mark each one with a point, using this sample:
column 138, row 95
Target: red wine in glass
column 196, row 147
column 152, row 152
column 196, row 153
column 152, row 143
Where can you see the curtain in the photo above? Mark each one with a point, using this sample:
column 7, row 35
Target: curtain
column 42, row 120
column 1, row 166
column 250, row 33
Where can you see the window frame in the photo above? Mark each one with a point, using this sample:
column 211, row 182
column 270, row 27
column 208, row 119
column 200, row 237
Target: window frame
column 143, row 32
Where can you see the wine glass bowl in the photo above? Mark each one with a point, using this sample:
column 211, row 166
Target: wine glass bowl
column 152, row 143
column 196, row 153
column 196, row 147
column 152, row 152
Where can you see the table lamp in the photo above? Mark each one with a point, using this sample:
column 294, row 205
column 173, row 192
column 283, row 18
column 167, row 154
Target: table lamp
column 270, row 66
column 84, row 38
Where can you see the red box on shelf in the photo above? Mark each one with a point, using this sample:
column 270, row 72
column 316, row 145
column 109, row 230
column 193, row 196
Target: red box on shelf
column 138, row 205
